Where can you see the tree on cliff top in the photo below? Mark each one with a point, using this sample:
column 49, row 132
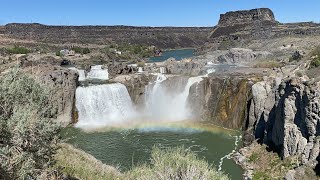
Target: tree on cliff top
column 28, row 137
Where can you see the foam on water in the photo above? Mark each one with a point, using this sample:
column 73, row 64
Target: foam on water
column 228, row 156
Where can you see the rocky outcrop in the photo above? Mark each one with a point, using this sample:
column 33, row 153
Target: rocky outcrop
column 238, row 26
column 136, row 86
column 242, row 56
column 184, row 67
column 286, row 116
column 116, row 69
column 244, row 24
column 221, row 100
column 62, row 84
column 246, row 17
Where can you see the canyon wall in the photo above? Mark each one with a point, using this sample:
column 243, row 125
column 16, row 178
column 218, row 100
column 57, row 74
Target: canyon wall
column 162, row 37
column 221, row 100
column 62, row 84
column 286, row 116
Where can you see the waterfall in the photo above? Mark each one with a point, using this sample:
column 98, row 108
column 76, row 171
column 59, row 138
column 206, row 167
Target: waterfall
column 162, row 70
column 82, row 75
column 103, row 105
column 164, row 105
column 140, row 70
column 97, row 72
column 109, row 104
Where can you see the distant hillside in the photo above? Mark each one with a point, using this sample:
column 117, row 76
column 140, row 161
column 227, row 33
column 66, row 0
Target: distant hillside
column 163, row 37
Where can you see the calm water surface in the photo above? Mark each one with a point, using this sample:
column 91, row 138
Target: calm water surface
column 124, row 147
column 178, row 54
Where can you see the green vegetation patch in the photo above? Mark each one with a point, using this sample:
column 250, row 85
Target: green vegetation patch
column 81, row 50
column 315, row 63
column 129, row 51
column 18, row 50
column 28, row 137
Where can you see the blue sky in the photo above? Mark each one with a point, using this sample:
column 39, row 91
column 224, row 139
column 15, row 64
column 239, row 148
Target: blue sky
column 147, row 12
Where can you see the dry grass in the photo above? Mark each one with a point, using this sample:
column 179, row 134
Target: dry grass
column 175, row 163
column 78, row 164
column 268, row 64
column 268, row 165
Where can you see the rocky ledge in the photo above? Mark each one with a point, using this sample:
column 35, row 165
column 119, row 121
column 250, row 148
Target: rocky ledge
column 283, row 113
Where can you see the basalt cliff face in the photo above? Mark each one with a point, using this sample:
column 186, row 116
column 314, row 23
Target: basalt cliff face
column 221, row 100
column 257, row 24
column 162, row 37
column 285, row 115
column 62, row 84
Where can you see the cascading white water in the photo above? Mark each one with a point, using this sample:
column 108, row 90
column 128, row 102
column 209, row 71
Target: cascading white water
column 110, row 104
column 103, row 105
column 140, row 70
column 165, row 106
column 96, row 72
column 82, row 75
column 162, row 70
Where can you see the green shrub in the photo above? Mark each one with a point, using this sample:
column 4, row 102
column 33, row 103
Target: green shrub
column 18, row 50
column 315, row 63
column 58, row 53
column 77, row 50
column 86, row 51
column 27, row 136
column 175, row 163
column 254, row 157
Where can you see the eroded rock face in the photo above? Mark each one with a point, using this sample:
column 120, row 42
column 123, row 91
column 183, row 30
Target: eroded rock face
column 221, row 100
column 246, row 17
column 242, row 56
column 62, row 84
column 184, row 67
column 236, row 28
column 286, row 116
column 136, row 86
